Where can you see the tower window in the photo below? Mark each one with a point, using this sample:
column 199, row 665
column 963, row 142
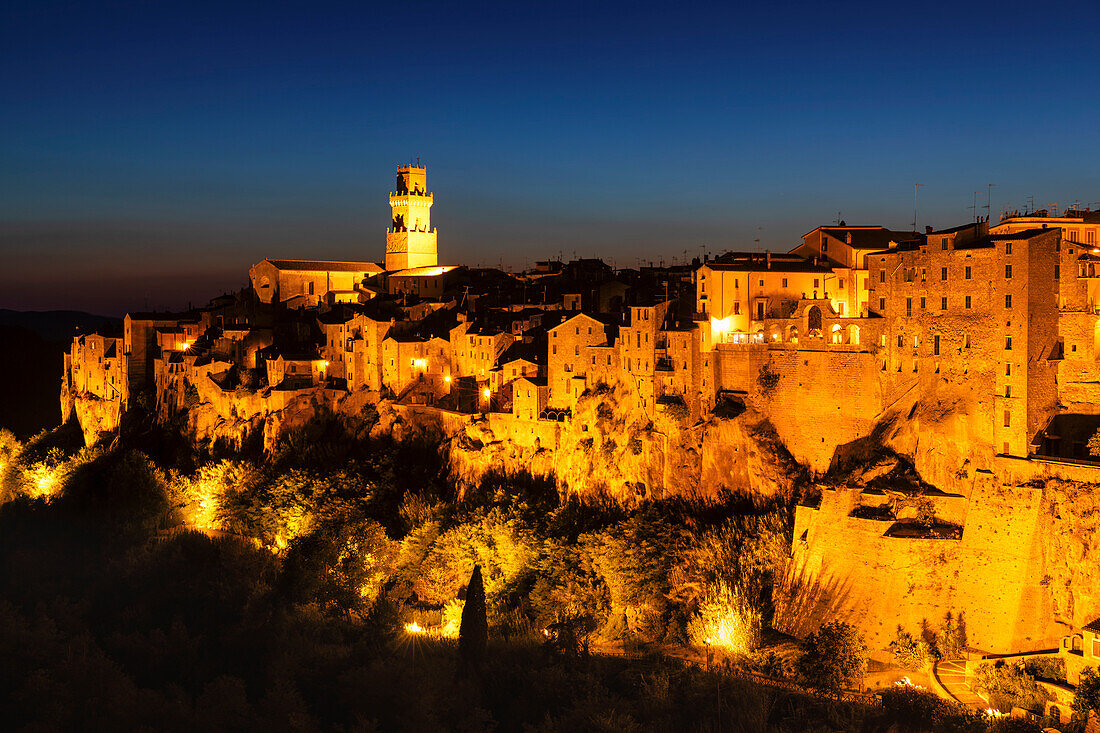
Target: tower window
column 943, row 273
column 1008, row 300
column 936, row 346
column 968, row 272
column 1008, row 272
column 943, row 304
column 968, row 301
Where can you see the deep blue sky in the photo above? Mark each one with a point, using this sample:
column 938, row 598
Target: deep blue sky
column 151, row 151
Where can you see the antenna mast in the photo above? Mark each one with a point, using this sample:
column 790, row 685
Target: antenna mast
column 915, row 187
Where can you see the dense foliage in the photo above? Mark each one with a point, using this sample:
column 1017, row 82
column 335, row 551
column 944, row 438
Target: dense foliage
column 323, row 588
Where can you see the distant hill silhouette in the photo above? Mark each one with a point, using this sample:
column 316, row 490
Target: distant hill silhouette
column 57, row 325
column 30, row 372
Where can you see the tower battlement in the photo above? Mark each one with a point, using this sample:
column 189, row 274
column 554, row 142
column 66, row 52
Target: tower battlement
column 410, row 240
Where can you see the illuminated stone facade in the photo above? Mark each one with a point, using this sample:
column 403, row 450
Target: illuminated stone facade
column 411, row 241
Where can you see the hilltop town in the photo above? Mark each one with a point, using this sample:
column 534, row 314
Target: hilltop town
column 860, row 370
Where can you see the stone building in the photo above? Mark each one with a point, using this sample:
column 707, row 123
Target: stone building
column 566, row 364
column 977, row 308
column 95, row 365
column 306, row 283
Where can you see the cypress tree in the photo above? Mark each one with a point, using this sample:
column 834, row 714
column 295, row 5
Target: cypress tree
column 473, row 633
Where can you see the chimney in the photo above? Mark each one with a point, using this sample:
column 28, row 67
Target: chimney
column 769, row 256
column 927, row 229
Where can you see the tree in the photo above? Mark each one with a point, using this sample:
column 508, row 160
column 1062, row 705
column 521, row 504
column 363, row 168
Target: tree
column 473, row 633
column 1087, row 695
column 1094, row 444
column 833, row 657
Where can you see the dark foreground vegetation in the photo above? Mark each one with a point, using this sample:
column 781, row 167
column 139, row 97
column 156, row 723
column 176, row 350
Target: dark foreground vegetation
column 327, row 585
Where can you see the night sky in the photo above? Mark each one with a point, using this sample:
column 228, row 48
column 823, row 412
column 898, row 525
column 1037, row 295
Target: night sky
column 151, row 151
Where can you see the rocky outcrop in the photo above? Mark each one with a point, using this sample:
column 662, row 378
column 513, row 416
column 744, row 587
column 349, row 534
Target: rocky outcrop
column 98, row 418
column 612, row 448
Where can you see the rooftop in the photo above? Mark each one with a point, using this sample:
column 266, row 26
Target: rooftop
column 326, row 266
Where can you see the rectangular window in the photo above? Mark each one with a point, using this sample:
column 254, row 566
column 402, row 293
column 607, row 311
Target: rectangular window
column 736, row 309
column 1008, row 390
column 923, row 273
column 968, row 301
column 943, row 304
column 736, row 283
column 1008, row 300
column 901, row 340
column 555, row 348
column 968, row 341
column 922, row 302
column 968, row 272
column 841, row 283
column 1057, row 271
column 815, row 282
column 1008, row 248
column 1008, row 370
column 1090, row 238
column 943, row 273
column 1008, row 272
column 1073, row 235
column 1096, row 648
column 576, row 351
column 1008, row 418
column 784, row 282
column 936, row 346
column 761, row 283
column 882, row 304
column 908, row 306
column 882, row 276
column 943, row 243
column 1008, row 343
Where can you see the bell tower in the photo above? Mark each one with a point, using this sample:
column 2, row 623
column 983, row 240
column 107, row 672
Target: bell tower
column 410, row 241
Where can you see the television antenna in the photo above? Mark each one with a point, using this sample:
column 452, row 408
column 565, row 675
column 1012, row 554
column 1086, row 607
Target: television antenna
column 988, row 199
column 915, row 187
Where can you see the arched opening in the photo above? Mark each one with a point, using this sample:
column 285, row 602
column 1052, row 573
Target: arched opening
column 813, row 321
column 853, row 334
column 835, row 335
column 792, row 334
column 1096, row 341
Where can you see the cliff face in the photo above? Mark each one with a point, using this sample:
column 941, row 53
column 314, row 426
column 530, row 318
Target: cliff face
column 98, row 418
column 612, row 448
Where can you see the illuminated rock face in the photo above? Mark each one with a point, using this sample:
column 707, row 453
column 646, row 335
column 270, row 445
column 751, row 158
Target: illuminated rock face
column 1022, row 573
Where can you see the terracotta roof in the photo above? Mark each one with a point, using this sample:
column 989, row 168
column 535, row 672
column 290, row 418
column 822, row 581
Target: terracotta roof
column 869, row 237
column 326, row 266
column 1094, row 626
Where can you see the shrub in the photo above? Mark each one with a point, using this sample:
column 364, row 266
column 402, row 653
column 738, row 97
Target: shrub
column 1008, row 685
column 833, row 657
column 909, row 651
column 912, row 709
column 767, row 379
